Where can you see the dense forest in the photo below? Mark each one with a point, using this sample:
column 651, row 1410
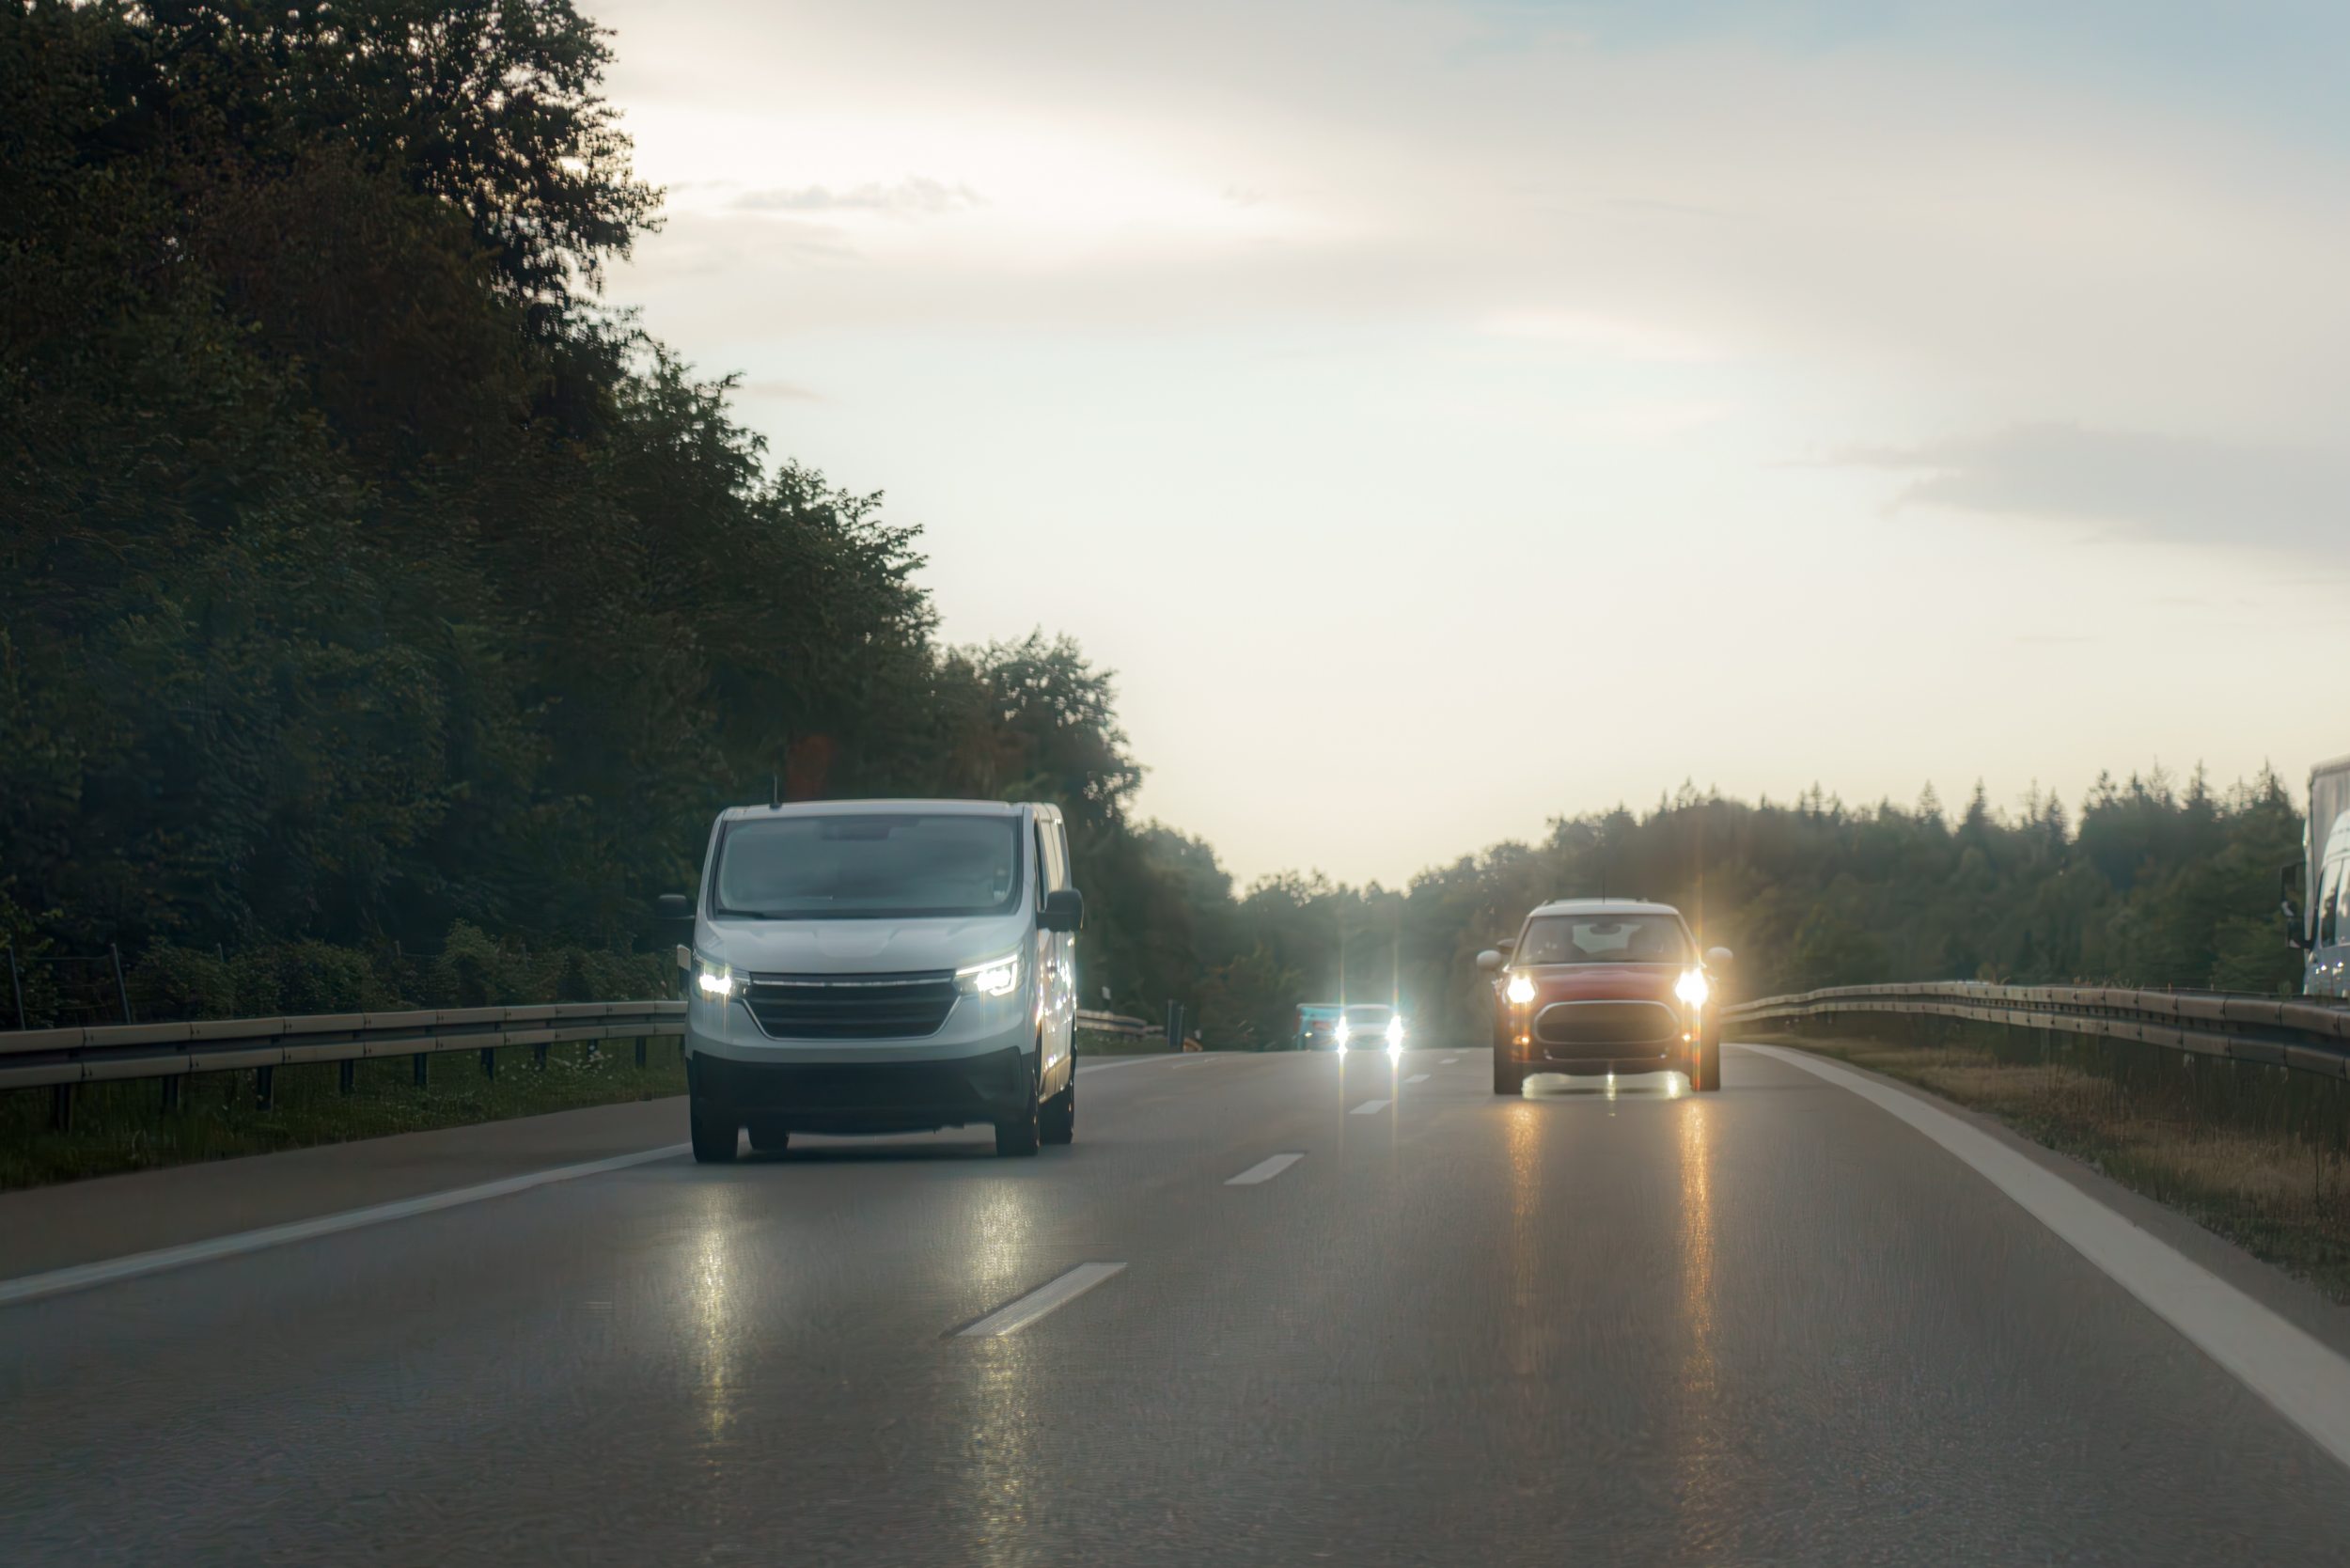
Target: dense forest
column 359, row 574
column 368, row 587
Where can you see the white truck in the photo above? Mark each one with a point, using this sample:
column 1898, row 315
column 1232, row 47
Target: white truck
column 2321, row 929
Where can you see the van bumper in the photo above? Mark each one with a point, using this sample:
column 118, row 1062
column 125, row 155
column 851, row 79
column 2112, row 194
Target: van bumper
column 865, row 1096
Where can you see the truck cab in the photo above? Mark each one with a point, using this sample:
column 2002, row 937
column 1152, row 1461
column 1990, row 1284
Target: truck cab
column 2321, row 930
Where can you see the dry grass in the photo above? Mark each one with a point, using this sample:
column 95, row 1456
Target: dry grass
column 2254, row 1153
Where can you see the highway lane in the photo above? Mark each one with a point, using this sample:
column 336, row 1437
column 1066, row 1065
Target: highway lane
column 1770, row 1325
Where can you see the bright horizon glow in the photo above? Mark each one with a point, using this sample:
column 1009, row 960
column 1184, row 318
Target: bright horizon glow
column 1564, row 402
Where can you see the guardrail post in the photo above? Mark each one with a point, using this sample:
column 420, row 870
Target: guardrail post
column 171, row 1093
column 539, row 1058
column 60, row 1107
column 640, row 1050
column 122, row 991
column 489, row 1061
column 264, row 1088
column 346, row 1076
column 16, row 985
column 421, row 1065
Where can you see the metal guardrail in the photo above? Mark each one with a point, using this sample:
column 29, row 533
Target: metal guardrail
column 2307, row 1036
column 30, row 1058
column 1115, row 1023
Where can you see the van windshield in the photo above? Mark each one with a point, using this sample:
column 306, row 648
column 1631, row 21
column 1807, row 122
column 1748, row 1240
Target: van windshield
column 869, row 866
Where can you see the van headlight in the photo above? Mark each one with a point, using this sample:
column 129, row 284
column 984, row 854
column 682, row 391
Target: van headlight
column 1692, row 987
column 996, row 978
column 714, row 980
column 1395, row 1031
column 1340, row 1033
column 1521, row 989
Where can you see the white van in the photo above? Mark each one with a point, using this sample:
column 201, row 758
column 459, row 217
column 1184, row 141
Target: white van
column 883, row 967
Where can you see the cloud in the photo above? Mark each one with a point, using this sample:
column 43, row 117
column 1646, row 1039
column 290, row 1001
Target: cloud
column 779, row 391
column 915, row 197
column 1621, row 337
column 2160, row 486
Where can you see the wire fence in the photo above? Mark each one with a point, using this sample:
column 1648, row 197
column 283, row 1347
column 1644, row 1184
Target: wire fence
column 57, row 990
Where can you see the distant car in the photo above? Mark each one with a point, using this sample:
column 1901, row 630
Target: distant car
column 1317, row 1026
column 1605, row 986
column 1368, row 1027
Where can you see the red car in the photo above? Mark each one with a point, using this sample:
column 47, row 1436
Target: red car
column 1605, row 986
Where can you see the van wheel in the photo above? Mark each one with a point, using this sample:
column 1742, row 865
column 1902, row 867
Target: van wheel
column 767, row 1138
column 1020, row 1133
column 715, row 1132
column 1058, row 1124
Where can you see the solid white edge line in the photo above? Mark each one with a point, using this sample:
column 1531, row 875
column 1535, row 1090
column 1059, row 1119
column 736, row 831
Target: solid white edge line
column 1053, row 1295
column 2304, row 1380
column 1448, row 1061
column 1368, row 1108
column 1130, row 1061
column 1263, row 1171
column 1416, row 1079
column 32, row 1287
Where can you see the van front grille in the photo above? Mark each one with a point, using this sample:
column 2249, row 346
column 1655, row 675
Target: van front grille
column 850, row 1007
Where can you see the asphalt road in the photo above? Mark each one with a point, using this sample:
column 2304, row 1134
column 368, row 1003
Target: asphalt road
column 1774, row 1325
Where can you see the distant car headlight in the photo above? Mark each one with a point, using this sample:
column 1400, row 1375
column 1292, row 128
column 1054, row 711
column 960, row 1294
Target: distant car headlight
column 1692, row 987
column 996, row 978
column 1395, row 1031
column 1521, row 989
column 713, row 979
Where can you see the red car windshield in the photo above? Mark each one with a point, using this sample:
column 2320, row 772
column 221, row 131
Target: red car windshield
column 1603, row 939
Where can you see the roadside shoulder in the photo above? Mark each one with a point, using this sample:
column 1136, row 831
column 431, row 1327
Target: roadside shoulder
column 74, row 1223
column 2297, row 1301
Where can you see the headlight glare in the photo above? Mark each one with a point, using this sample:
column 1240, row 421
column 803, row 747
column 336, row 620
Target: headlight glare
column 714, row 980
column 1521, row 989
column 1692, row 987
column 1395, row 1031
column 996, row 978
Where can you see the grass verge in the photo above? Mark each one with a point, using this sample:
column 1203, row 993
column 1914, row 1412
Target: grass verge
column 124, row 1126
column 2254, row 1153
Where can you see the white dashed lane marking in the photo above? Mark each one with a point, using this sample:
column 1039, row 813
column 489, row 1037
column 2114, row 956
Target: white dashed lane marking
column 1044, row 1299
column 1264, row 1170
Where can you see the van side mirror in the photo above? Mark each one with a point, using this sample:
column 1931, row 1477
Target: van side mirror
column 1717, row 958
column 673, row 906
column 1489, row 961
column 1508, row 945
column 1064, row 910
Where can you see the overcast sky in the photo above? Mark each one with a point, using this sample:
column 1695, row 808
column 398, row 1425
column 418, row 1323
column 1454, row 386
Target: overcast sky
column 1447, row 416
